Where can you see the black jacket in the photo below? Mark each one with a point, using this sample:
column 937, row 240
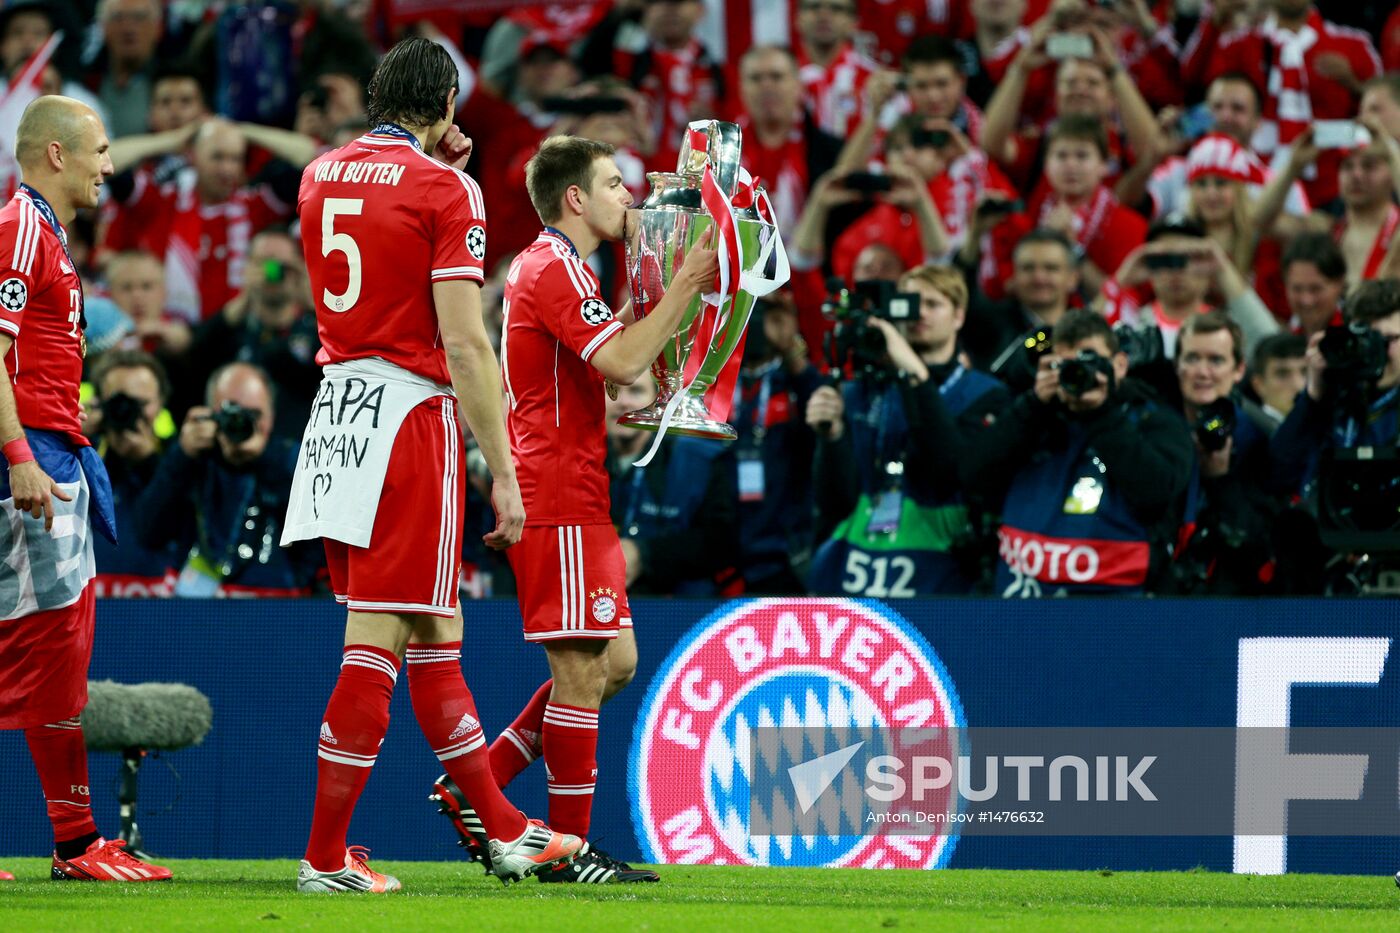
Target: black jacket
column 1145, row 445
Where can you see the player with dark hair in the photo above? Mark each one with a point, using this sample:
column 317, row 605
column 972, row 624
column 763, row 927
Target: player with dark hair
column 394, row 241
column 53, row 481
column 560, row 342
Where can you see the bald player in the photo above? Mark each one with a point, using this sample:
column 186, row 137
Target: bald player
column 53, row 488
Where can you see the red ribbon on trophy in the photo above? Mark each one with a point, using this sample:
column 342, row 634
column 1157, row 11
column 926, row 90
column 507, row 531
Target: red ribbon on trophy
column 717, row 326
column 708, row 324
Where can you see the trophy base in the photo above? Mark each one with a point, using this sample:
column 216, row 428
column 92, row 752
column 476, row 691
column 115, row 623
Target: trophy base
column 690, row 420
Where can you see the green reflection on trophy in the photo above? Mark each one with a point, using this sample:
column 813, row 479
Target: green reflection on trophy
column 660, row 234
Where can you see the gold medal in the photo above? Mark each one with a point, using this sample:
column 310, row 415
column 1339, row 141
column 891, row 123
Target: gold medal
column 82, row 344
column 612, row 389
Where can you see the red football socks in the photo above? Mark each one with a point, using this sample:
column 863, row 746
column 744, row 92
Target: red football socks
column 571, row 760
column 60, row 757
column 356, row 719
column 449, row 721
column 518, row 746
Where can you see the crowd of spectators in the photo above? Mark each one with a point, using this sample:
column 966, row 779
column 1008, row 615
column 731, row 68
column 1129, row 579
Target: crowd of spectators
column 1147, row 253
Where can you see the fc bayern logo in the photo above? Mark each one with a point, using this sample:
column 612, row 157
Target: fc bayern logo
column 604, row 604
column 476, row 241
column 827, row 665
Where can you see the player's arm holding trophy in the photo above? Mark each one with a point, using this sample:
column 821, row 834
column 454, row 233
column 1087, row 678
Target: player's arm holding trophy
column 631, row 353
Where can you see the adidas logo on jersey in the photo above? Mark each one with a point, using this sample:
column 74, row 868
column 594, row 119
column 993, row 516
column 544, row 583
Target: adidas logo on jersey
column 465, row 725
column 531, row 738
column 326, row 735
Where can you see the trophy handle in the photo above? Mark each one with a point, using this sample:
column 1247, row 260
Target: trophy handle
column 723, row 144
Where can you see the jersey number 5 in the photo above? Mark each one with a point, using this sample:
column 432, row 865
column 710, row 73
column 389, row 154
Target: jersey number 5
column 332, row 242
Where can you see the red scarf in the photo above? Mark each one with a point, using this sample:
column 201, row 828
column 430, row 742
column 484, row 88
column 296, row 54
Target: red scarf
column 1382, row 244
column 835, row 93
column 182, row 251
column 678, row 83
column 1287, row 103
column 1088, row 219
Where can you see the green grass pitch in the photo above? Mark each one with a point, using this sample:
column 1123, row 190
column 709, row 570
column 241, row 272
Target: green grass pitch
column 226, row 895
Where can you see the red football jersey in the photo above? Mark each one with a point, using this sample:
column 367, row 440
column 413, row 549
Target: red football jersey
column 555, row 320
column 381, row 221
column 203, row 246
column 41, row 301
column 836, row 93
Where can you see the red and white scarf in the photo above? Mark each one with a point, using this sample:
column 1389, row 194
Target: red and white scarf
column 22, row 90
column 835, row 93
column 1088, row 219
column 1287, row 108
column 679, row 83
column 182, row 251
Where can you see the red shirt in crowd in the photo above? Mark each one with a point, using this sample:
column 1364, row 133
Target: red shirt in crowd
column 955, row 193
column 1390, row 42
column 1210, row 53
column 836, row 93
column 1106, row 231
column 781, row 169
column 203, row 246
column 682, row 85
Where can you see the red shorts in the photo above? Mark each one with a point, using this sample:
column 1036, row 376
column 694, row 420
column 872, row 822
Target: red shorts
column 415, row 552
column 572, row 582
column 44, row 664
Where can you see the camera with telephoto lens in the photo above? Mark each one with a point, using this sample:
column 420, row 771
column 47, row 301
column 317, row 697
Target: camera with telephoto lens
column 1356, row 358
column 1354, row 353
column 1080, row 373
column 1142, row 344
column 236, row 422
column 1017, row 366
column 121, row 412
column 1215, row 423
column 855, row 343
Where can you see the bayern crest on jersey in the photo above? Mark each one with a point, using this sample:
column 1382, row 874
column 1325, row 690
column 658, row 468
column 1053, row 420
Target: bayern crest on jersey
column 603, row 603
column 816, row 667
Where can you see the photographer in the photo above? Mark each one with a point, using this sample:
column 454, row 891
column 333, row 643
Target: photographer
column 1089, row 470
column 676, row 516
column 269, row 325
column 1229, row 517
column 1045, row 274
column 132, row 388
column 773, row 454
column 221, row 493
column 891, row 520
column 1353, row 388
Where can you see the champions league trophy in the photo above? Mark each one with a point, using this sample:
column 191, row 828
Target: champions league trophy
column 708, row 188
